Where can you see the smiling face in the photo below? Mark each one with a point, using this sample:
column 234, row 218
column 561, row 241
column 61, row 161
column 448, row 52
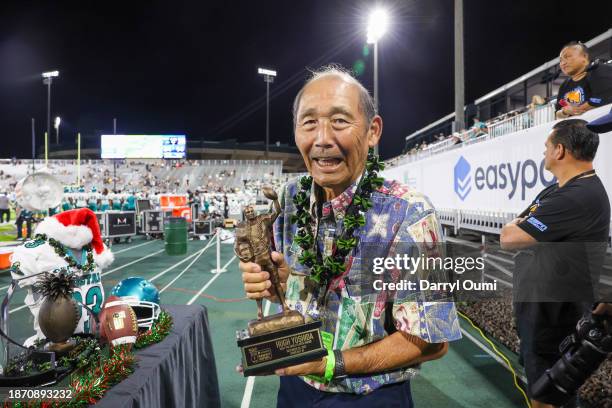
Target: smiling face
column 333, row 134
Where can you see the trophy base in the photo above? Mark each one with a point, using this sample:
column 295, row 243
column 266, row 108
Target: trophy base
column 276, row 322
column 264, row 353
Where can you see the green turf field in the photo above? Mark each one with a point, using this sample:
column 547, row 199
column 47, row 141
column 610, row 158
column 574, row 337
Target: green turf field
column 466, row 377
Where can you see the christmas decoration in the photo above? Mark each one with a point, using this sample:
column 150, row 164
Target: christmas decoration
column 59, row 314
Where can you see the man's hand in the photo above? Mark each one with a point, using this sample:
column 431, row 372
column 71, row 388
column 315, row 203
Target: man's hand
column 310, row 368
column 513, row 237
column 517, row 220
column 574, row 110
column 603, row 309
column 257, row 284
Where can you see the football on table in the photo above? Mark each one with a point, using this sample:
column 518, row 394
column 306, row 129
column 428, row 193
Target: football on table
column 118, row 324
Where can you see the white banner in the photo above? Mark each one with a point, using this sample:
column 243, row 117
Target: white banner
column 503, row 174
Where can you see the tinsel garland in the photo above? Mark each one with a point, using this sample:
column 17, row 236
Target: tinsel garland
column 91, row 385
column 158, row 331
column 94, row 378
column 60, row 250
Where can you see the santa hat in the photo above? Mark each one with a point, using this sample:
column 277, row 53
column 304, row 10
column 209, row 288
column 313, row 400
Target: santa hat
column 75, row 229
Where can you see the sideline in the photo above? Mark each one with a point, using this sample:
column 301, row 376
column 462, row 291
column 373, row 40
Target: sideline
column 194, row 298
column 248, row 388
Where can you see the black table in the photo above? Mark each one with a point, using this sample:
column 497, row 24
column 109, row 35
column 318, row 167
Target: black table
column 177, row 372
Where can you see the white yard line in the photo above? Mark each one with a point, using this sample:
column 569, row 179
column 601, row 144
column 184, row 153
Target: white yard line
column 132, row 247
column 115, row 253
column 105, row 273
column 193, row 299
column 132, row 262
column 199, row 253
column 248, row 388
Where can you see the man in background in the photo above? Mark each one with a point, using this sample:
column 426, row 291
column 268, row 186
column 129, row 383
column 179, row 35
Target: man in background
column 567, row 228
column 5, row 208
column 578, row 93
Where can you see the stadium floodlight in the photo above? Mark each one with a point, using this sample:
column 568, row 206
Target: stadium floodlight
column 269, row 76
column 50, row 74
column 264, row 71
column 56, row 125
column 377, row 27
column 47, row 80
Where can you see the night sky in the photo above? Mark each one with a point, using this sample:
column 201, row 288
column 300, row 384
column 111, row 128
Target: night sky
column 169, row 67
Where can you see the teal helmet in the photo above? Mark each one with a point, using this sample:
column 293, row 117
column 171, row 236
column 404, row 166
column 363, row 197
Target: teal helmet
column 142, row 296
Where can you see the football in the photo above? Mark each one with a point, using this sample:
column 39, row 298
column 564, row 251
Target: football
column 118, row 324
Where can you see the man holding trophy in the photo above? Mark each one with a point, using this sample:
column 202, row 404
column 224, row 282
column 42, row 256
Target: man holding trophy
column 330, row 219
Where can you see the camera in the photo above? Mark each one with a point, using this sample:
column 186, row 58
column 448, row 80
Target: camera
column 581, row 354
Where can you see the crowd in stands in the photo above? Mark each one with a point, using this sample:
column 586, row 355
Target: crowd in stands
column 217, row 187
column 480, row 129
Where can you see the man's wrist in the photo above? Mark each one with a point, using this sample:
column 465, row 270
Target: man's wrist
column 339, row 366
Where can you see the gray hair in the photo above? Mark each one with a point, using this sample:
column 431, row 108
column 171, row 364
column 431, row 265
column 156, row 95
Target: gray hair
column 366, row 102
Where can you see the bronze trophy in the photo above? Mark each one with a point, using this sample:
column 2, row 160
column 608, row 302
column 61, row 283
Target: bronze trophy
column 282, row 339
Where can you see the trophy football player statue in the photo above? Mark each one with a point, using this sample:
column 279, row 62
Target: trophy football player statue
column 66, row 244
column 282, row 339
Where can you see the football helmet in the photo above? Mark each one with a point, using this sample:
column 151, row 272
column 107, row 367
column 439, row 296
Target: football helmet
column 142, row 296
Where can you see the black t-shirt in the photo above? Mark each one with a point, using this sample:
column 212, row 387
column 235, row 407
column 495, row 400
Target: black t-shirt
column 557, row 280
column 577, row 212
column 578, row 92
column 571, row 225
column 600, row 77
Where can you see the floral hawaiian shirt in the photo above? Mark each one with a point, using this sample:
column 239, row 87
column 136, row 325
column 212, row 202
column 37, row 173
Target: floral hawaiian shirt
column 349, row 317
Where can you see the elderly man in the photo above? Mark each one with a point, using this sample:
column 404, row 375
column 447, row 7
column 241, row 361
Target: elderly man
column 330, row 220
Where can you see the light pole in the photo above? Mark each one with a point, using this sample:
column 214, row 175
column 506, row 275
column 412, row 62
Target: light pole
column 47, row 80
column 377, row 26
column 56, row 125
column 459, row 124
column 269, row 76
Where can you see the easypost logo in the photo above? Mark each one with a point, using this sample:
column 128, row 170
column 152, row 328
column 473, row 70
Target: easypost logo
column 462, row 178
column 514, row 177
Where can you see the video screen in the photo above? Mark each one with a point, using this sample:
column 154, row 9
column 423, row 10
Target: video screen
column 143, row 146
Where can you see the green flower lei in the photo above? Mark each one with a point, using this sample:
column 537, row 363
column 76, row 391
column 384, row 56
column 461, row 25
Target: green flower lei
column 60, row 250
column 325, row 268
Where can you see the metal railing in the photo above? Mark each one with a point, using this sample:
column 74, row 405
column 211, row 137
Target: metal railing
column 530, row 118
column 474, row 220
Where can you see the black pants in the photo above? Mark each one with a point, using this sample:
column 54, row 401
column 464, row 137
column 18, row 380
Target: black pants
column 542, row 326
column 6, row 212
column 19, row 223
column 295, row 393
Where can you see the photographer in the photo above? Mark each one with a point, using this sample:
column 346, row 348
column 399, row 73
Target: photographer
column 575, row 210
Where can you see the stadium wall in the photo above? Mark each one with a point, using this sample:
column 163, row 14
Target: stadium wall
column 503, row 174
